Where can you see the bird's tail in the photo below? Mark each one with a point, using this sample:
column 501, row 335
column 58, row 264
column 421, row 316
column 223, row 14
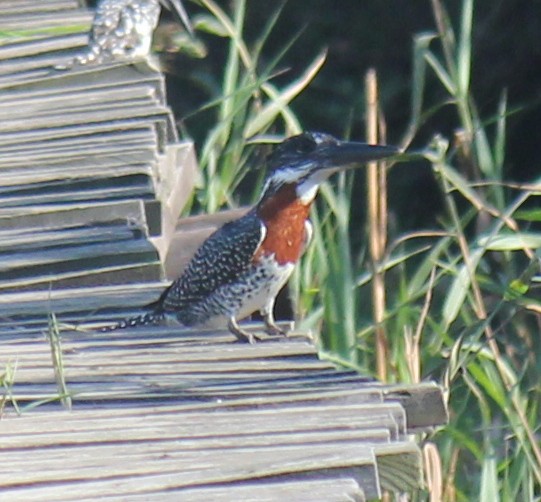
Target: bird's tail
column 150, row 318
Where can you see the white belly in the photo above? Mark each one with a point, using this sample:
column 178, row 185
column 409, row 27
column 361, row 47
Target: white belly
column 255, row 291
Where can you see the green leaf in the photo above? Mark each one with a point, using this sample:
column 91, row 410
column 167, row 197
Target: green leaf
column 275, row 106
column 489, row 480
column 418, row 281
column 482, row 149
column 459, row 289
column 210, row 24
column 420, row 47
column 458, row 182
column 390, row 263
column 441, row 73
column 516, row 289
column 511, row 242
column 464, row 48
column 499, row 146
column 528, row 215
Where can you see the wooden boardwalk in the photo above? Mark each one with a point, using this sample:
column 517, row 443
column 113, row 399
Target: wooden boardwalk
column 93, row 175
column 169, row 414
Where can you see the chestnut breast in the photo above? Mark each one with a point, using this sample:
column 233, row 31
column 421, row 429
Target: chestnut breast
column 284, row 216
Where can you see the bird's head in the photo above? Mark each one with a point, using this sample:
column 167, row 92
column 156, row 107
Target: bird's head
column 305, row 161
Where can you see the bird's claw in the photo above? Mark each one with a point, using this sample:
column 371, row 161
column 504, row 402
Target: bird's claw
column 271, row 328
column 274, row 330
column 242, row 336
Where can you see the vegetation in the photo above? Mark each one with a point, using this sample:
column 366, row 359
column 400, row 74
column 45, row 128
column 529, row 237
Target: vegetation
column 458, row 301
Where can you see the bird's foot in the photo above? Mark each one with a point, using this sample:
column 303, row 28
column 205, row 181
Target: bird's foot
column 242, row 335
column 271, row 328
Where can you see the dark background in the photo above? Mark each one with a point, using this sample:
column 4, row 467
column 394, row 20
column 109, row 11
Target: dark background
column 379, row 34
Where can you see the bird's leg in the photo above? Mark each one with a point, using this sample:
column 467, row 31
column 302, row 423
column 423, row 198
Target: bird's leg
column 270, row 325
column 243, row 336
column 268, row 318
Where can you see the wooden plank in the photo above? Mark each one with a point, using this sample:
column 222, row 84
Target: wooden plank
column 108, row 350
column 308, row 490
column 104, row 128
column 399, row 467
column 30, row 102
column 96, row 80
column 149, row 426
column 34, row 47
column 77, row 214
column 18, row 7
column 329, row 489
column 94, row 453
column 79, row 108
column 187, row 404
column 77, row 299
column 66, row 119
column 158, row 488
column 114, row 116
column 424, row 404
column 15, row 6
column 189, row 469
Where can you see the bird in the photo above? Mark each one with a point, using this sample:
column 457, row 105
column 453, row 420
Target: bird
column 242, row 266
column 122, row 30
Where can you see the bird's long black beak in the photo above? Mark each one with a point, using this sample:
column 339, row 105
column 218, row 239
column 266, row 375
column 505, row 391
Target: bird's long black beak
column 177, row 9
column 350, row 154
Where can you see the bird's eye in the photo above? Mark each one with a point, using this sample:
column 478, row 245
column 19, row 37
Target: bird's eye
column 305, row 145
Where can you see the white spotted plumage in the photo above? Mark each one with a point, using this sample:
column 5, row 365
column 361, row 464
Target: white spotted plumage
column 122, row 30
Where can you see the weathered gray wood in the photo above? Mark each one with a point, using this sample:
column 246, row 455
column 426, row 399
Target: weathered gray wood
column 206, row 467
column 234, row 414
column 12, row 7
column 399, row 467
column 424, row 404
column 326, row 490
column 158, row 488
column 77, row 299
column 308, row 490
column 63, row 136
column 107, row 366
column 201, row 424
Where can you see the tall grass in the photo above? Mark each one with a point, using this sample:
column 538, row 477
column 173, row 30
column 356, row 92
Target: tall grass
column 460, row 302
column 456, row 303
column 248, row 107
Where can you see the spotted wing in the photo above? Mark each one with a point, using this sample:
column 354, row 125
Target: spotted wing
column 221, row 259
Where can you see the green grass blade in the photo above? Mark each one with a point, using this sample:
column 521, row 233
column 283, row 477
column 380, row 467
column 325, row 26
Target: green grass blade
column 464, row 48
column 489, row 479
column 441, row 73
column 460, row 287
column 275, row 106
column 420, row 47
column 511, row 242
column 499, row 146
column 54, row 337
